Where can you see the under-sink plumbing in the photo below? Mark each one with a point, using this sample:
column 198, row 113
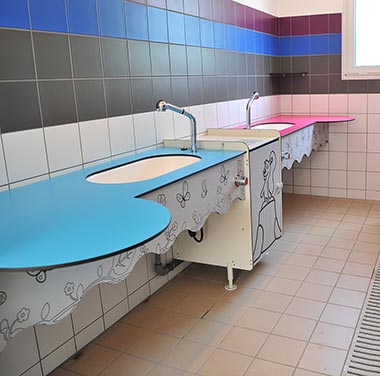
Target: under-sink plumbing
column 162, row 106
column 255, row 95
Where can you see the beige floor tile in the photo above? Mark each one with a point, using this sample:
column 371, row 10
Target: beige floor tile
column 369, row 238
column 348, row 298
column 314, row 292
column 354, row 219
column 294, row 327
column 283, row 286
column 161, row 370
column 175, row 324
column 332, row 336
column 346, row 226
column 188, row 356
column 336, row 253
column 267, row 266
column 298, row 228
column 352, row 282
column 225, row 363
column 92, row 360
column 62, row 372
column 322, row 277
column 322, row 231
column 360, row 270
column 302, row 372
column 370, row 229
column 363, row 258
column 323, row 359
column 241, row 296
column 366, row 247
column 255, row 281
column 284, row 245
column 302, row 260
column 298, row 273
column 346, row 234
column 340, row 243
column 309, row 249
column 168, row 298
column 153, row 346
column 316, row 239
column 329, row 265
column 272, row 301
column 209, row 289
column 194, row 305
column 339, row 315
column 144, row 316
column 226, row 313
column 127, row 364
column 120, row 336
column 261, row 367
column 282, row 350
column 208, row 332
column 244, row 341
column 328, row 223
column 182, row 284
column 332, row 216
column 306, row 308
column 292, row 237
column 258, row 319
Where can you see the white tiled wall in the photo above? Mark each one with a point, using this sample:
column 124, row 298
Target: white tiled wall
column 350, row 165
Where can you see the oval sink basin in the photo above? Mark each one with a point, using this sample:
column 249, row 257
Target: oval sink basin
column 276, row 126
column 143, row 169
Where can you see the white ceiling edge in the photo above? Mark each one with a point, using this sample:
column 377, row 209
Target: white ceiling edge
column 284, row 8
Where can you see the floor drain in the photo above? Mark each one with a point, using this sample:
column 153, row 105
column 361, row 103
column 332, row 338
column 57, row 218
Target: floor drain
column 364, row 356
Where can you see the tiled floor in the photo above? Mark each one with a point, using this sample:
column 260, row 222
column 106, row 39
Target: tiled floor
column 295, row 314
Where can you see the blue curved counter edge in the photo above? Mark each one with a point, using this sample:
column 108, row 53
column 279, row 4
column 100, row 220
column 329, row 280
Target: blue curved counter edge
column 67, row 220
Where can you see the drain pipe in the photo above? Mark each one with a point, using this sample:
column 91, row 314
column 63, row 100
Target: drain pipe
column 164, row 269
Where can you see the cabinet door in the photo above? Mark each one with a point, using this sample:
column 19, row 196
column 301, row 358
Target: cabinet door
column 266, row 197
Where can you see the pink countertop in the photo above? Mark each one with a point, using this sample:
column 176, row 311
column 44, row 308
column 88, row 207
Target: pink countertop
column 297, row 122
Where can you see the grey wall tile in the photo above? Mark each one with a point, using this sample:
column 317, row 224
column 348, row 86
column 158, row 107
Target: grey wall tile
column 139, row 58
column 162, row 89
column 194, row 61
column 286, row 85
column 205, row 9
column 337, row 85
column 142, row 95
column 242, row 87
column 180, row 91
column 115, row 57
column 252, row 85
column 159, row 54
column 300, row 64
column 231, row 63
column 195, row 85
column 260, row 85
column 274, row 64
column 300, row 85
column 52, row 55
column 319, row 64
column 86, row 57
column 285, row 64
column 335, row 64
column 191, row 7
column 251, row 64
column 57, row 102
column 208, row 62
column 267, row 65
column 19, row 109
column 259, row 65
column 232, row 88
column 16, row 55
column 221, row 89
column 90, row 99
column 220, row 62
column 319, row 84
column 118, row 97
column 178, row 63
column 241, row 64
column 373, row 86
column 209, row 89
column 357, row 86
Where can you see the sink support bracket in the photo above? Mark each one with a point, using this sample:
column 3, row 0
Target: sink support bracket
column 230, row 277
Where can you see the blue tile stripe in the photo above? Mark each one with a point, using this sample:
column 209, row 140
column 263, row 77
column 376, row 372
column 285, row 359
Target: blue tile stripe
column 125, row 19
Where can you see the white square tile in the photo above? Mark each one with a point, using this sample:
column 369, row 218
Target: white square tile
column 373, row 123
column 357, row 195
column 95, row 140
column 20, row 354
column 338, row 104
column 337, row 142
column 50, row 337
column 112, row 294
column 373, row 143
column 63, row 146
column 3, row 171
column 305, row 163
column 89, row 309
column 357, row 103
column 138, row 276
column 182, row 125
column 319, row 103
column 233, row 111
column 357, row 142
column 301, row 104
column 373, row 162
column 34, row 371
column 302, row 177
column 198, row 112
column 357, row 161
column 223, row 117
column 356, row 180
column 337, row 160
column 145, row 130
column 319, row 191
column 122, row 135
column 359, row 125
column 319, row 160
column 241, row 106
column 286, row 104
column 138, row 296
column 299, row 190
column 287, row 176
column 89, row 333
column 22, row 183
column 211, row 118
column 116, row 313
column 373, row 103
column 58, row 356
column 337, row 192
column 25, row 154
column 373, row 181
column 372, row 195
column 320, row 178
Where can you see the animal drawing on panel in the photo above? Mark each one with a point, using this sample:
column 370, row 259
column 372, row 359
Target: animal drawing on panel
column 268, row 228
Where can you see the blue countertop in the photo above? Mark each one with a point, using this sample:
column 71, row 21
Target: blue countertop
column 67, row 220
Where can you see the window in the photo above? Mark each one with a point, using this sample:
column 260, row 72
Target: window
column 361, row 52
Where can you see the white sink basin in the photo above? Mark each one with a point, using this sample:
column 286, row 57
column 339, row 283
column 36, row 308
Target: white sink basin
column 143, row 169
column 276, row 126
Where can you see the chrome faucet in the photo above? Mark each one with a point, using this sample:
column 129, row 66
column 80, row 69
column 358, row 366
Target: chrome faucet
column 162, row 106
column 254, row 96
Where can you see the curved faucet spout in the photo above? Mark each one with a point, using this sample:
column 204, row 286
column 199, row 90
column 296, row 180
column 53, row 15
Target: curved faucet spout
column 163, row 106
column 255, row 95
